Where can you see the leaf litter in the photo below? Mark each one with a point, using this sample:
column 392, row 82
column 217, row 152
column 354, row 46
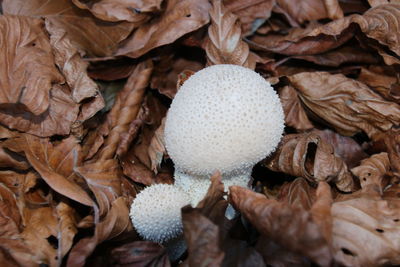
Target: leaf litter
column 85, row 88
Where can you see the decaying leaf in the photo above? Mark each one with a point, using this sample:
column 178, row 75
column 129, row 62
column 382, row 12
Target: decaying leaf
column 180, row 17
column 225, row 45
column 291, row 227
column 156, row 148
column 306, row 155
column 346, row 104
column 372, row 171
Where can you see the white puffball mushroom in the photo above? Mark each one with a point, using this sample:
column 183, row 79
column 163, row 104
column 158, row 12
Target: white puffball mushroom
column 224, row 117
column 156, row 212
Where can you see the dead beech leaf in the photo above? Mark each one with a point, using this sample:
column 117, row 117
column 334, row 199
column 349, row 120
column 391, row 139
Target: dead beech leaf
column 103, row 179
column 291, row 227
column 95, row 37
column 69, row 61
column 140, row 253
column 156, row 148
column 295, row 115
column 372, row 170
column 179, row 18
column 365, row 231
column 10, row 217
column 114, row 223
column 126, row 108
column 66, row 228
column 306, row 155
column 378, row 79
column 310, row 10
column 346, row 104
column 202, row 239
column 224, row 44
column 136, row 12
column 54, row 163
column 297, row 193
column 41, row 224
column 250, row 13
column 345, row 147
column 12, row 160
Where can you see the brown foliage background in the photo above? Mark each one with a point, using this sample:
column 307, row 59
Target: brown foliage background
column 84, row 90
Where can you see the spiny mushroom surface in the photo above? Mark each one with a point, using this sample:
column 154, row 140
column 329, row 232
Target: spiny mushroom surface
column 156, row 212
column 224, row 117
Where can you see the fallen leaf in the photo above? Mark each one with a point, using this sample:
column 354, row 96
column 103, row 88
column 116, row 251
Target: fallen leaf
column 306, row 155
column 179, row 18
column 66, row 228
column 291, row 227
column 140, row 253
column 157, row 148
column 346, row 104
column 297, row 193
column 136, row 12
column 295, row 115
column 95, row 37
column 372, row 171
column 224, row 44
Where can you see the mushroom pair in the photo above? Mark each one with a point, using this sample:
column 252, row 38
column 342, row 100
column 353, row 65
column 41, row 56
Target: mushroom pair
column 225, row 118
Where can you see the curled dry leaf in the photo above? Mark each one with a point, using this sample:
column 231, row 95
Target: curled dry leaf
column 202, row 239
column 250, row 13
column 372, row 171
column 95, row 37
column 224, row 44
column 309, row 10
column 126, row 108
column 103, row 179
column 295, row 115
column 345, row 147
column 365, row 232
column 306, row 155
column 297, row 193
column 179, row 18
column 66, row 228
column 140, row 253
column 346, row 104
column 156, row 148
column 293, row 228
column 54, row 163
column 136, row 12
column 114, row 223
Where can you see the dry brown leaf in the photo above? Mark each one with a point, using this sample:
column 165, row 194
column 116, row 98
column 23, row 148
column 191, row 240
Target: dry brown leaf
column 297, row 193
column 291, row 227
column 54, row 163
column 114, row 223
column 346, row 104
column 156, row 148
column 309, row 10
column 179, row 18
column 365, row 232
column 10, row 217
column 224, row 44
column 387, row 86
column 140, row 253
column 133, row 11
column 95, row 37
column 66, row 228
column 372, row 171
column 345, row 147
column 136, row 170
column 307, row 156
column 69, row 61
column 8, row 159
column 41, row 224
column 202, row 239
column 251, row 13
column 103, row 179
column 295, row 115
column 126, row 108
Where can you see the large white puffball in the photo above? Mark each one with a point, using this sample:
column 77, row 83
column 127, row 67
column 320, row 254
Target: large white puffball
column 156, row 212
column 224, row 117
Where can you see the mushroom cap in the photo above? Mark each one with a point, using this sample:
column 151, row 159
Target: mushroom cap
column 156, row 212
column 224, row 117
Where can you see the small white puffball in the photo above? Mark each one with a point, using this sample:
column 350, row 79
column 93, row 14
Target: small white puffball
column 156, row 212
column 224, row 117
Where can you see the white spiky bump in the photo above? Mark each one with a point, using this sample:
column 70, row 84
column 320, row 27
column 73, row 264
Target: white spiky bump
column 224, row 117
column 156, row 212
